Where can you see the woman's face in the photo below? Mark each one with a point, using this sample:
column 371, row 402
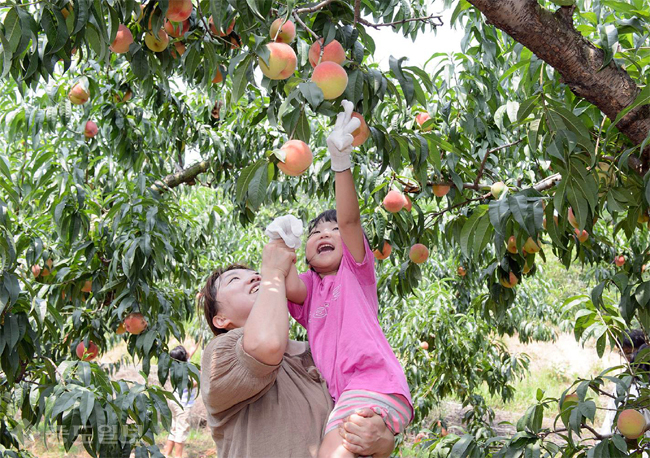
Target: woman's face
column 236, row 293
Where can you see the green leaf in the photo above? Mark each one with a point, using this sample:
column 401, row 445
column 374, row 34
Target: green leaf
column 642, row 99
column 312, row 93
column 257, row 187
column 405, row 81
column 302, row 131
column 13, row 31
column 469, row 228
column 239, row 80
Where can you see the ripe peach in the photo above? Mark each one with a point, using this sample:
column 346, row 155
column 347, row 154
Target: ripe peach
column 631, row 424
column 123, row 40
column 157, row 44
column 179, row 10
column 512, row 244
column 394, row 201
column 287, row 31
column 177, row 29
column 333, row 52
column 121, row 98
column 440, row 190
column 510, row 281
column 87, row 354
column 218, row 77
column 87, row 287
column 91, row 129
column 461, row 271
column 78, row 94
column 384, row 253
column 298, row 157
column 421, row 118
column 582, row 235
column 282, row 62
column 569, row 399
column 178, row 50
column 331, row 78
column 362, row 133
column 527, row 267
column 497, row 189
column 530, row 246
column 120, row 329
column 419, row 253
column 424, row 345
column 572, row 219
column 220, row 33
column 408, row 205
column 619, row 260
column 36, row 270
column 135, row 323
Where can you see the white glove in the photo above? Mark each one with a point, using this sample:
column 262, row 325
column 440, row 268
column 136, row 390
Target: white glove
column 339, row 141
column 288, row 228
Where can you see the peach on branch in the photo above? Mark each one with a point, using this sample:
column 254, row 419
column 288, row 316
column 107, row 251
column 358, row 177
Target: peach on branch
column 176, row 29
column 394, row 201
column 283, row 32
column 419, row 253
column 178, row 50
column 619, row 260
column 408, row 205
column 282, row 61
column 157, row 44
column 509, row 281
column 297, row 157
column 78, row 94
column 440, row 189
column 36, row 270
column 331, row 78
column 87, row 354
column 512, row 244
column 179, row 10
column 122, row 41
column 569, row 399
column 333, row 52
column 135, row 323
column 631, row 423
column 87, row 287
column 421, row 118
column 572, row 219
column 362, row 133
column 497, row 189
column 424, row 345
column 530, row 246
column 221, row 33
column 461, row 271
column 384, row 253
column 120, row 329
column 90, row 129
column 218, row 77
column 582, row 235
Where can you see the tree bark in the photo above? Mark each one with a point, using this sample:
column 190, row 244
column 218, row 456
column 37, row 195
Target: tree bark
column 552, row 37
column 184, row 176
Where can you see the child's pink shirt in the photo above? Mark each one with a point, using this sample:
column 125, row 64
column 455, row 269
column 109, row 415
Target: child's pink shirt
column 346, row 340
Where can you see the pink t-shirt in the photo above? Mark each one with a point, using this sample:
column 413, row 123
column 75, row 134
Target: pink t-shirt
column 347, row 343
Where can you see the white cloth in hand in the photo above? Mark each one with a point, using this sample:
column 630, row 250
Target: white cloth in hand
column 287, row 228
column 339, row 141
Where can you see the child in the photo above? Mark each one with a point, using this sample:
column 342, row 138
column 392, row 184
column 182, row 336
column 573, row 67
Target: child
column 180, row 426
column 336, row 301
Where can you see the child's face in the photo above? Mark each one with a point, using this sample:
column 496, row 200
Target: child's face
column 324, row 247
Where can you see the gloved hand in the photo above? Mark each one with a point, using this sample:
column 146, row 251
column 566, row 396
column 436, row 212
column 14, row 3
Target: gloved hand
column 287, row 228
column 339, row 141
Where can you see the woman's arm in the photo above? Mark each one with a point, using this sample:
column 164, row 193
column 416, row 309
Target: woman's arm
column 365, row 433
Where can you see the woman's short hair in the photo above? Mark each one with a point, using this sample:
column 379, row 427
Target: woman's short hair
column 208, row 295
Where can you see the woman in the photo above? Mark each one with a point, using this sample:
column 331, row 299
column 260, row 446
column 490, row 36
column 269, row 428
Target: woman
column 262, row 392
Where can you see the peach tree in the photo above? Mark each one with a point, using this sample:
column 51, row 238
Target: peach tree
column 530, row 142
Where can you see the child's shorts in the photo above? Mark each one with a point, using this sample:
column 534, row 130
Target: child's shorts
column 180, row 429
column 393, row 408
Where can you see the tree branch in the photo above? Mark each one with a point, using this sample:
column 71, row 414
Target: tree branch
column 554, row 40
column 493, row 150
column 403, row 21
column 304, row 26
column 184, row 176
column 313, row 9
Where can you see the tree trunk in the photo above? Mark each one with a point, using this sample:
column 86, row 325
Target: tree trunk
column 552, row 37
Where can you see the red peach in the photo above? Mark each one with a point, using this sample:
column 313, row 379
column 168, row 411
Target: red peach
column 333, row 52
column 218, row 77
column 331, row 78
column 298, row 158
column 87, row 354
column 421, row 118
column 282, row 62
column 179, row 10
column 394, row 201
column 510, row 281
column 384, row 253
column 287, row 31
column 582, row 235
column 91, row 129
column 135, row 323
column 419, row 253
column 176, row 29
column 512, row 244
column 178, row 50
column 220, row 33
column 408, row 205
column 440, row 190
column 631, row 424
column 78, row 94
column 424, row 345
column 362, row 133
column 157, row 44
column 123, row 40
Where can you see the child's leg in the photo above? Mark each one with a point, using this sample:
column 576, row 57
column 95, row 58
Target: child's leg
column 179, row 450
column 332, row 446
column 169, row 446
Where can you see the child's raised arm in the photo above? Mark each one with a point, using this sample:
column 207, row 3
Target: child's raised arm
column 339, row 145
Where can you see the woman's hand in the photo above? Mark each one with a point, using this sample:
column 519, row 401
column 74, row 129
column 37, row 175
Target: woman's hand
column 276, row 256
column 365, row 433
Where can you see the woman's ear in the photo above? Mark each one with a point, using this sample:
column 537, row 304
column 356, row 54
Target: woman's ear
column 221, row 322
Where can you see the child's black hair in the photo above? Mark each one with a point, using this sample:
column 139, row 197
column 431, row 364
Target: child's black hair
column 633, row 339
column 179, row 353
column 327, row 216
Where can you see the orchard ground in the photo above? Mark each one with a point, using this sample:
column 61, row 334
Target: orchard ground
column 553, row 366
